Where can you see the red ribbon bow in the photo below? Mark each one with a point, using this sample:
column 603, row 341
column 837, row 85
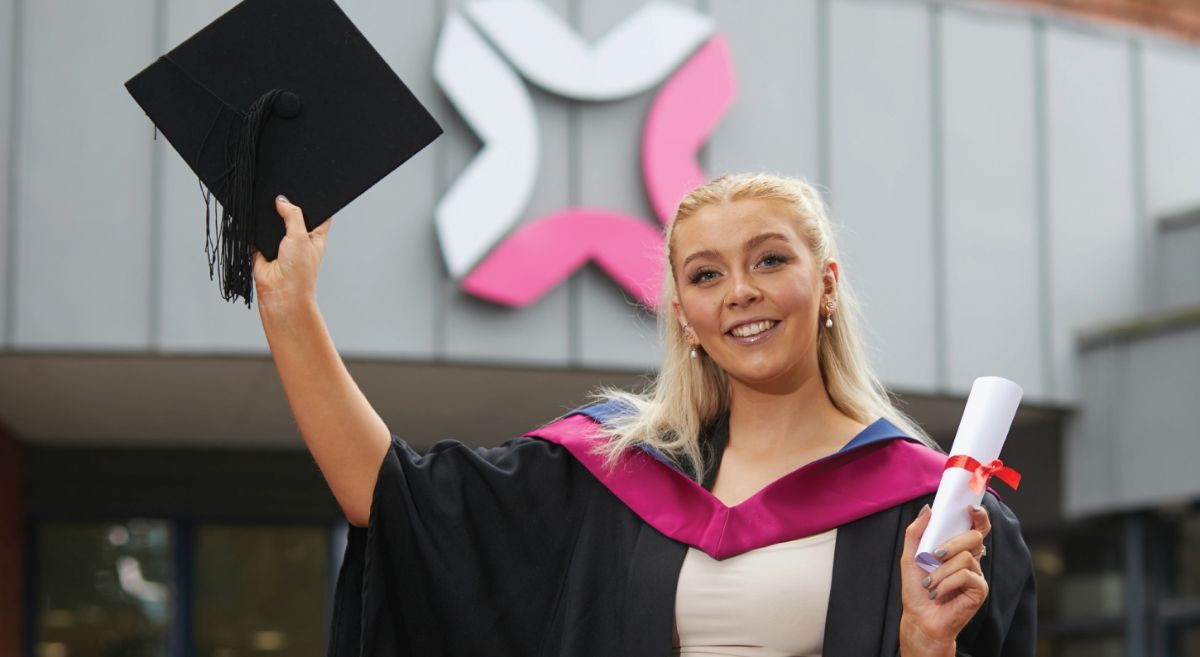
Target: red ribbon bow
column 980, row 473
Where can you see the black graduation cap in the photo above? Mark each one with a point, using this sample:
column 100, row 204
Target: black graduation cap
column 279, row 97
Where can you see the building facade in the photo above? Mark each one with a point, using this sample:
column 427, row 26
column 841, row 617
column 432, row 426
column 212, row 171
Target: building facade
column 1017, row 190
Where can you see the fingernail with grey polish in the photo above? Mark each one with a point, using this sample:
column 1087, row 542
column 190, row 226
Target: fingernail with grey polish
column 978, row 508
column 925, row 582
column 283, row 198
column 940, row 553
column 933, row 594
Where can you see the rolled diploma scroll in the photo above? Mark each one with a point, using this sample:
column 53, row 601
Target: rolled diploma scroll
column 986, row 420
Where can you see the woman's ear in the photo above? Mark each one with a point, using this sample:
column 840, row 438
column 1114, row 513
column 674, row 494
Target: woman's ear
column 681, row 318
column 829, row 279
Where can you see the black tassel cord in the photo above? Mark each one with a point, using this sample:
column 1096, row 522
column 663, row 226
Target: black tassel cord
column 231, row 256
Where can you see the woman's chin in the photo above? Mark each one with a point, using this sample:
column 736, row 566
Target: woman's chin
column 766, row 374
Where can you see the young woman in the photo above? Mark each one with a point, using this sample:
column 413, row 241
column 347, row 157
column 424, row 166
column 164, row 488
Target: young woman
column 763, row 497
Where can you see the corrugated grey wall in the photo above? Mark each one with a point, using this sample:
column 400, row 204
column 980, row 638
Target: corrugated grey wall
column 989, row 182
column 1172, row 98
column 84, row 178
column 1136, row 445
column 996, row 176
column 1094, row 233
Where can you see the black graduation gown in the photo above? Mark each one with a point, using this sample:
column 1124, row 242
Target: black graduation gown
column 518, row 550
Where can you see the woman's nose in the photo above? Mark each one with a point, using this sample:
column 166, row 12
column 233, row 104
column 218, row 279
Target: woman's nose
column 743, row 292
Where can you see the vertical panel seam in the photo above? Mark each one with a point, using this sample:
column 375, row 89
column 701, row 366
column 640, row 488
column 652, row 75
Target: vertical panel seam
column 1115, row 407
column 8, row 339
column 157, row 207
column 937, row 189
column 574, row 186
column 824, row 98
column 1147, row 266
column 1042, row 185
column 702, row 156
column 441, row 180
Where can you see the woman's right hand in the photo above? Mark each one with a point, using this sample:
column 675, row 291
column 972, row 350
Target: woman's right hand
column 291, row 279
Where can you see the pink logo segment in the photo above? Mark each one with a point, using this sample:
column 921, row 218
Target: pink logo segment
column 683, row 115
column 545, row 251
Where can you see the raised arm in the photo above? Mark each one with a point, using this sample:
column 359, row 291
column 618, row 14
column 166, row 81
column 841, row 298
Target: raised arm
column 346, row 436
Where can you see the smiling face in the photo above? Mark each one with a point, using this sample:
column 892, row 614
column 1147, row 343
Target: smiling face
column 750, row 291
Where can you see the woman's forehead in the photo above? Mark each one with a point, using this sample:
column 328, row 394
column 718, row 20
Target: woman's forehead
column 728, row 226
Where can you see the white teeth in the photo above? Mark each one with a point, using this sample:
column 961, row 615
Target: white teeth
column 747, row 330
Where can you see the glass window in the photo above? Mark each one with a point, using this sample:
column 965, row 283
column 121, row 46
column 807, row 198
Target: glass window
column 1186, row 557
column 1079, row 574
column 261, row 590
column 1187, row 642
column 103, row 589
column 1083, row 646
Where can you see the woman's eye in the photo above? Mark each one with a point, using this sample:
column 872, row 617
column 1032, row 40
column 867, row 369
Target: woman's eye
column 772, row 260
column 702, row 276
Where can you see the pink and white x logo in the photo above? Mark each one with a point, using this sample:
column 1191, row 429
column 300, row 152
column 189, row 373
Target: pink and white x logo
column 476, row 215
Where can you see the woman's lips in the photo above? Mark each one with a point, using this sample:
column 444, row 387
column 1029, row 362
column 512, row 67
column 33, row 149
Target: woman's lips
column 754, row 339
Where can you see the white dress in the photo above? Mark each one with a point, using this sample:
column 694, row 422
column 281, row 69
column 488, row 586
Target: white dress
column 769, row 602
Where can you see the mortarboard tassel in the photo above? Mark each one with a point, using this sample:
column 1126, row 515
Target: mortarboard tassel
column 235, row 230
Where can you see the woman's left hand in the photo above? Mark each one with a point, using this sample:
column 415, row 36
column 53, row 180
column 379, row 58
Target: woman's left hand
column 939, row 604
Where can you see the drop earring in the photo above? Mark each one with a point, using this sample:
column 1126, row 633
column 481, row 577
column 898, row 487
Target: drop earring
column 693, row 350
column 829, row 315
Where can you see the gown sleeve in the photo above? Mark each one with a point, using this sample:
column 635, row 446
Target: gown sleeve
column 1006, row 626
column 465, row 552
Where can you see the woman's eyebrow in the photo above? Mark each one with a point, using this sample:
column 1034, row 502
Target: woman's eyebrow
column 707, row 253
column 750, row 244
column 759, row 239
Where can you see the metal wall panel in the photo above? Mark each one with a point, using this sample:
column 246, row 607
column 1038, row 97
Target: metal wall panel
column 192, row 317
column 993, row 320
column 881, row 180
column 772, row 124
column 1159, row 446
column 1091, row 209
column 480, row 331
column 1091, row 442
column 1135, row 442
column 1171, row 104
column 1171, row 93
column 8, row 62
column 613, row 331
column 83, row 178
column 1179, row 263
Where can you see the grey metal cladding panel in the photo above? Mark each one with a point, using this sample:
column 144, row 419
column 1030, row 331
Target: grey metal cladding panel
column 481, row 331
column 1179, row 255
column 83, row 179
column 881, row 180
column 1171, row 83
column 772, row 124
column 1092, row 214
column 990, row 193
column 7, row 53
column 613, row 330
column 1089, row 447
column 383, row 275
column 1171, row 98
column 1160, row 444
column 192, row 315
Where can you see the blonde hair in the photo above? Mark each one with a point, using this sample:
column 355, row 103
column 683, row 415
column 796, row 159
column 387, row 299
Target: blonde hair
column 687, row 394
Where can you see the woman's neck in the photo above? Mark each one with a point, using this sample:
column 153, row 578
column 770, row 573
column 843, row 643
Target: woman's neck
column 768, row 420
